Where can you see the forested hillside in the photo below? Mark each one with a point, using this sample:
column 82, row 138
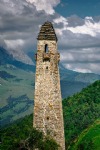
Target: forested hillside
column 89, row 139
column 22, row 136
column 81, row 119
column 80, row 111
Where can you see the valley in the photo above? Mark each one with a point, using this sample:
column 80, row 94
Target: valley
column 17, row 82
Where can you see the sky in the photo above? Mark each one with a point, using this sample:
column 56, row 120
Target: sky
column 76, row 23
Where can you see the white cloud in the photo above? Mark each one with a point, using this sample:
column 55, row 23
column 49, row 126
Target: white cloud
column 90, row 27
column 12, row 6
column 78, row 39
column 82, row 60
column 84, row 68
column 46, row 5
column 67, row 56
column 82, row 55
column 15, row 48
column 14, row 44
column 62, row 20
column 87, row 68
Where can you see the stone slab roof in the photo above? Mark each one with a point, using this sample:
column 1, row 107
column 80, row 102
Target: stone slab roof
column 47, row 32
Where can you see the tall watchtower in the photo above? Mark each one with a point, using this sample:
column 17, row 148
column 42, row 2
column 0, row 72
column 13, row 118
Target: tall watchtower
column 48, row 116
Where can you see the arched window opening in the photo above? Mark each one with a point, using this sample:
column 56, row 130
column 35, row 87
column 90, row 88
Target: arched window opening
column 46, row 48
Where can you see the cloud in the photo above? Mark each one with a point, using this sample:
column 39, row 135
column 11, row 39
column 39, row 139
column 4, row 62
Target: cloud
column 14, row 44
column 60, row 20
column 90, row 27
column 78, row 38
column 76, row 25
column 20, row 22
column 78, row 68
column 15, row 47
column 81, row 56
column 75, row 20
column 46, row 5
column 2, row 43
column 19, row 26
column 84, row 68
column 82, row 60
column 79, row 43
column 12, row 7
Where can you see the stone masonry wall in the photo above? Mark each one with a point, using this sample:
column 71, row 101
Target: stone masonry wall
column 48, row 116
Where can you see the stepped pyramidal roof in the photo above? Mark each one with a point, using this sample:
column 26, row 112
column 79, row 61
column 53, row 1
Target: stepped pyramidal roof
column 47, row 32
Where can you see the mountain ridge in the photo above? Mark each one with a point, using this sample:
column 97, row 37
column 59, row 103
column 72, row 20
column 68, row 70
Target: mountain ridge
column 17, row 82
column 7, row 58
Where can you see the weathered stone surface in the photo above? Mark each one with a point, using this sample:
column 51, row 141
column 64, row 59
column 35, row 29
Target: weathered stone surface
column 47, row 32
column 48, row 116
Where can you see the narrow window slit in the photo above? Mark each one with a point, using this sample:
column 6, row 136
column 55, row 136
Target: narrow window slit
column 46, row 48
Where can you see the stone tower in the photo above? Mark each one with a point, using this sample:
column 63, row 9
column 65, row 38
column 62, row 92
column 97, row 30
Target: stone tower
column 48, row 116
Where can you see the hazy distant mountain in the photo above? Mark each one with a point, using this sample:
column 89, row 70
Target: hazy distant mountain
column 17, row 81
column 72, row 82
column 6, row 58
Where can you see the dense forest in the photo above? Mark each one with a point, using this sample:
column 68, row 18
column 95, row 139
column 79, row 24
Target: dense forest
column 22, row 136
column 81, row 121
column 80, row 111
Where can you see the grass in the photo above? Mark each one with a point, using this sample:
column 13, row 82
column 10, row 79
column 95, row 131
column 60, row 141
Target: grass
column 18, row 86
column 89, row 138
column 22, row 84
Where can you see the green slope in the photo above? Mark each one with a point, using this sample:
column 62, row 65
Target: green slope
column 89, row 139
column 80, row 111
column 81, row 120
column 21, row 83
column 16, row 93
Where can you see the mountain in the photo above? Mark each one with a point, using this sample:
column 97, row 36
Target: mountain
column 17, row 81
column 81, row 120
column 73, row 82
column 20, row 55
column 6, row 58
column 80, row 111
column 16, row 87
